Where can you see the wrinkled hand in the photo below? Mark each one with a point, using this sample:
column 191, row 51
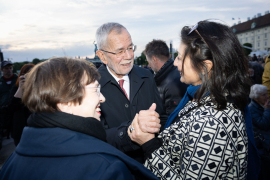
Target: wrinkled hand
column 267, row 104
column 148, row 120
column 137, row 135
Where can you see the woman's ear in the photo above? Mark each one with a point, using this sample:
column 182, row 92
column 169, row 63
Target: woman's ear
column 209, row 65
column 65, row 107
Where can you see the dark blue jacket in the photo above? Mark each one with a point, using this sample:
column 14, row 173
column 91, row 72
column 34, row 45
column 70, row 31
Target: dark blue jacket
column 57, row 153
column 261, row 124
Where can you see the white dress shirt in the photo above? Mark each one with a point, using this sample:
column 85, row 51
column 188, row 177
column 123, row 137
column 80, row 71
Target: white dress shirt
column 126, row 84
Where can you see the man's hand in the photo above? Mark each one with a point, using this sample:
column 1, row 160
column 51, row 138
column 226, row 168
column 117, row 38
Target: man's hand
column 148, row 120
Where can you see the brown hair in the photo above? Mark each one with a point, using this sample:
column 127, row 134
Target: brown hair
column 57, row 80
column 25, row 69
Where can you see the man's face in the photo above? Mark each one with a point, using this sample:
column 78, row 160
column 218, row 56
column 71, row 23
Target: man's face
column 7, row 71
column 262, row 98
column 119, row 66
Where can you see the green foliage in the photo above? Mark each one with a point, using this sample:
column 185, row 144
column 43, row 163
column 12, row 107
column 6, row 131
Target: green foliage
column 175, row 54
column 18, row 65
column 141, row 60
column 247, row 51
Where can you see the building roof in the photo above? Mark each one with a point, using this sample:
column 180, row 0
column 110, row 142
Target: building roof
column 255, row 23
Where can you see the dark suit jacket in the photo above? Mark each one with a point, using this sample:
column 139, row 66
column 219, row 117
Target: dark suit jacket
column 118, row 112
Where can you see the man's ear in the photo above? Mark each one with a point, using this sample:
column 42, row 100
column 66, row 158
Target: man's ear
column 154, row 58
column 209, row 65
column 102, row 56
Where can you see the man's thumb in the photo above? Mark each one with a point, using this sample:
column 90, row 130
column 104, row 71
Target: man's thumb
column 153, row 107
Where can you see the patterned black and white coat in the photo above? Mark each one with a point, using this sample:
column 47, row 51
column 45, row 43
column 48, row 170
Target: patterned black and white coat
column 205, row 144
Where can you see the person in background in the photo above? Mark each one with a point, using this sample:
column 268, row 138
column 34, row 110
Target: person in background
column 254, row 58
column 167, row 77
column 209, row 135
column 6, row 82
column 65, row 138
column 260, row 113
column 20, row 111
column 127, row 88
column 266, row 75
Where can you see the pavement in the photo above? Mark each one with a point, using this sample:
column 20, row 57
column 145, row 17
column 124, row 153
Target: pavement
column 8, row 147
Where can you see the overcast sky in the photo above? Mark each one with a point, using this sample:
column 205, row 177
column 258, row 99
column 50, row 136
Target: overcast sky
column 46, row 28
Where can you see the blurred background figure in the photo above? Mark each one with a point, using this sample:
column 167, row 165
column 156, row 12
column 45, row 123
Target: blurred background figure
column 6, row 82
column 254, row 58
column 20, row 111
column 65, row 138
column 255, row 72
column 260, row 113
column 166, row 75
column 266, row 75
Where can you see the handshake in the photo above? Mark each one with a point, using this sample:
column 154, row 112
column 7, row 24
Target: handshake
column 144, row 125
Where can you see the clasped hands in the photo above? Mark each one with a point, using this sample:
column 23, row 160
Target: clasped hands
column 144, row 125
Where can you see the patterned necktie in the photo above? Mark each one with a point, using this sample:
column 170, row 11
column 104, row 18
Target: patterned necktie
column 121, row 82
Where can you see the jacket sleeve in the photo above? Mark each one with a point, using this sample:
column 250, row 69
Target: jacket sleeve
column 118, row 137
column 117, row 170
column 259, row 120
column 159, row 109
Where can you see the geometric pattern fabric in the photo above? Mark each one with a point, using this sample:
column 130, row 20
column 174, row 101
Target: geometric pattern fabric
column 204, row 144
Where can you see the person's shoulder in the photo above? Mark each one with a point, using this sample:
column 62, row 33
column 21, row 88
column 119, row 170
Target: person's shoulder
column 141, row 71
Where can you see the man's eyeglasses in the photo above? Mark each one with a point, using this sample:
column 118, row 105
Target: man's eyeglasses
column 121, row 53
column 98, row 89
column 195, row 29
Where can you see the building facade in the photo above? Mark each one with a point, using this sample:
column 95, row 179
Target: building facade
column 255, row 31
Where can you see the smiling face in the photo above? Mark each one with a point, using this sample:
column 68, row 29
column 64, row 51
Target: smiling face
column 117, row 42
column 190, row 76
column 90, row 104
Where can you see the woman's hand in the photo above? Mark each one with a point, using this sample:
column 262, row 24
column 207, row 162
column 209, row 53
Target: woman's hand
column 136, row 134
column 19, row 92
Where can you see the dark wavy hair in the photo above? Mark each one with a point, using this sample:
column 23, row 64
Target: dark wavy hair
column 229, row 74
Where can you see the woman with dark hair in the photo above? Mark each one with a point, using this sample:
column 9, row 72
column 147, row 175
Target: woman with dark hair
column 206, row 136
column 65, row 138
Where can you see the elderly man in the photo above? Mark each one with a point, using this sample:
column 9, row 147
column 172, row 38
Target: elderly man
column 167, row 77
column 260, row 113
column 128, row 89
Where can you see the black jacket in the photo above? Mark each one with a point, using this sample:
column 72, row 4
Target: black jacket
column 117, row 112
column 171, row 89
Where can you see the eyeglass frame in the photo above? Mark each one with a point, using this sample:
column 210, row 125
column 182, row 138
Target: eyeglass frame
column 98, row 89
column 124, row 51
column 194, row 28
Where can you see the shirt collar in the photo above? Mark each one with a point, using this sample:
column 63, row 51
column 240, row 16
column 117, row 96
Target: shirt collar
column 126, row 78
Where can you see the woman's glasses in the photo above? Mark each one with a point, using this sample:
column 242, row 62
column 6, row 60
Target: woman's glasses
column 98, row 89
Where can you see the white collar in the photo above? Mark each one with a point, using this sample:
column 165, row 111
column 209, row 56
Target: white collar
column 126, row 78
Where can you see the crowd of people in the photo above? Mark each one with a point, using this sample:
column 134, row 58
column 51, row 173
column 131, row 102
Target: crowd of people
column 204, row 115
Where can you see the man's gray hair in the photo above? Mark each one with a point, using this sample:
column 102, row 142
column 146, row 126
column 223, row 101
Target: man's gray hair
column 104, row 30
column 256, row 90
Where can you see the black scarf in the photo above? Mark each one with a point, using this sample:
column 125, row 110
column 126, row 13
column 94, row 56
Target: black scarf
column 89, row 126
